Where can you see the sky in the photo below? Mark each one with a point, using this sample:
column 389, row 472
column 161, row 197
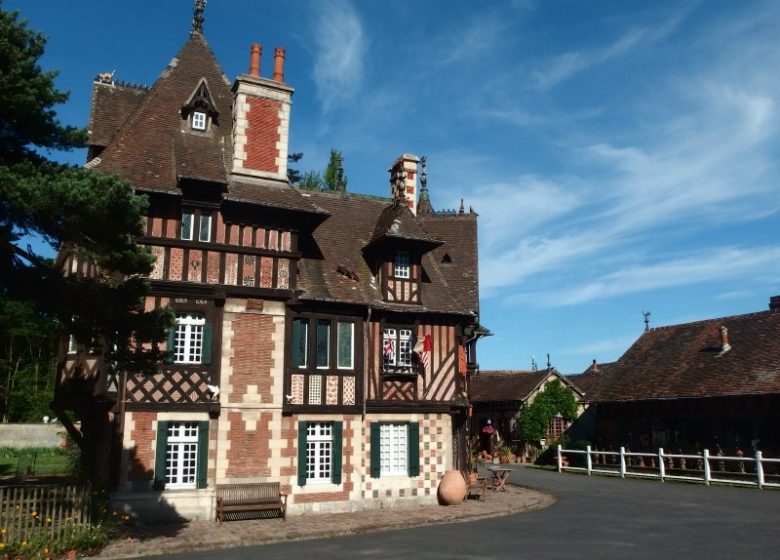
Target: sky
column 622, row 156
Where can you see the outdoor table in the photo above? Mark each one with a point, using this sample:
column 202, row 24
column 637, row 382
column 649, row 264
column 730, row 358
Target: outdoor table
column 500, row 477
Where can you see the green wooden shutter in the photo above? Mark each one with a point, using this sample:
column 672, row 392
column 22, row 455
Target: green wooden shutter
column 159, row 457
column 206, row 349
column 203, row 454
column 170, row 354
column 376, row 469
column 414, row 449
column 302, row 428
column 337, row 444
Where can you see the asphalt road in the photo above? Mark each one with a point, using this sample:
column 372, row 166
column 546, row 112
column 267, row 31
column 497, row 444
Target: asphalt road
column 594, row 518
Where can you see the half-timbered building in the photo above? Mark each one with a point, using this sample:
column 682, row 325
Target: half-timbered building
column 322, row 339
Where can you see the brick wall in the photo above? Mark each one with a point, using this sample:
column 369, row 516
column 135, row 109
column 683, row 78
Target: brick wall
column 262, row 135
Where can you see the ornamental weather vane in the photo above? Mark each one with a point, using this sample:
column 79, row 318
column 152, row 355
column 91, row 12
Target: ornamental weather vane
column 197, row 16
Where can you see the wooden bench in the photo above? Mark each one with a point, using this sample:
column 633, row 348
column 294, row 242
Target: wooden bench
column 250, row 498
column 476, row 485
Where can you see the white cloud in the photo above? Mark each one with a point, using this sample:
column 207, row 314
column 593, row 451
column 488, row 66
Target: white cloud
column 341, row 46
column 565, row 66
column 724, row 264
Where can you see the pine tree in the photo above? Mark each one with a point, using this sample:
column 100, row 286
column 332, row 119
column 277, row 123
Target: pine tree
column 72, row 210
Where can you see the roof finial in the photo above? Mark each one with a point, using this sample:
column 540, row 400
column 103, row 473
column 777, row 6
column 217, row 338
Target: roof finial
column 534, row 367
column 462, row 208
column 646, row 315
column 549, row 363
column 424, row 174
column 340, row 184
column 197, row 16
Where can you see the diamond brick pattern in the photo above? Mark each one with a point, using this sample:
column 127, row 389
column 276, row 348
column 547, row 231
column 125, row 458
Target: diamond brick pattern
column 168, row 387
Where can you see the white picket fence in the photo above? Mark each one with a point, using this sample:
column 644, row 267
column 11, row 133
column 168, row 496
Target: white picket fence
column 704, row 467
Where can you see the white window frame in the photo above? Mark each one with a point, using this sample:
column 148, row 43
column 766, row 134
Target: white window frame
column 401, row 340
column 181, row 456
column 351, row 332
column 402, row 264
column 199, row 120
column 184, row 234
column 393, row 449
column 188, row 339
column 205, row 218
column 319, row 452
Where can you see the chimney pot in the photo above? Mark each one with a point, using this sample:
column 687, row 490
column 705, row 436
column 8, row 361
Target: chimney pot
column 724, row 339
column 279, row 64
column 254, row 59
column 595, row 366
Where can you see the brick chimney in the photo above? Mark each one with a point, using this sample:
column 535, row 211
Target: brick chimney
column 403, row 180
column 261, row 120
column 774, row 303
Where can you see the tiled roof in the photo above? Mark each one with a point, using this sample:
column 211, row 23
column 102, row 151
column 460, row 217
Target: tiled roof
column 336, row 269
column 588, row 380
column 685, row 361
column 112, row 104
column 498, row 386
column 273, row 196
column 154, row 146
column 457, row 257
column 397, row 222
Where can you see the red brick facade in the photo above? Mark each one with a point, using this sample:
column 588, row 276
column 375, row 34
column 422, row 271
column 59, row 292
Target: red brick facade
column 142, row 457
column 262, row 135
column 252, row 360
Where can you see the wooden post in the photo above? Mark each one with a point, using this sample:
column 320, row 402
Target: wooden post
column 560, row 460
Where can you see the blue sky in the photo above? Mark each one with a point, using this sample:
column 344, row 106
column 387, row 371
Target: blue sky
column 623, row 156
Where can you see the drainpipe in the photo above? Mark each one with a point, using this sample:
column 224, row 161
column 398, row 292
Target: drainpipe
column 365, row 360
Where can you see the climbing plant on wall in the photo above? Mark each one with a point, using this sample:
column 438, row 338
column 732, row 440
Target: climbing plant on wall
column 554, row 399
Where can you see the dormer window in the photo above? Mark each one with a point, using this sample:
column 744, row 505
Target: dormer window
column 199, row 109
column 199, row 120
column 195, row 220
column 401, row 264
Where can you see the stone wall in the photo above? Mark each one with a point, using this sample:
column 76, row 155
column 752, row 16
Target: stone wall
column 32, row 435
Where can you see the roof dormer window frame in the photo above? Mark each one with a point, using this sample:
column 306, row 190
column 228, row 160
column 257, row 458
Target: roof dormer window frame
column 199, row 109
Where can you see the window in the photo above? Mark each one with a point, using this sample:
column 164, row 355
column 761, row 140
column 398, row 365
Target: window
column 325, row 345
column 187, row 224
column 204, row 232
column 395, row 449
column 192, row 220
column 319, row 452
column 300, row 343
column 401, row 265
column 182, row 455
column 345, row 346
column 556, row 428
column 199, row 120
column 397, row 347
column 72, row 345
column 189, row 340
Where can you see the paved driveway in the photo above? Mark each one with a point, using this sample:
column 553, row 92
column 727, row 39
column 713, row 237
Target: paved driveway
column 594, row 518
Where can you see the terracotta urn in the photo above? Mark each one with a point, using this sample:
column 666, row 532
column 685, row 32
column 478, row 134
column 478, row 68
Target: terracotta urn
column 452, row 488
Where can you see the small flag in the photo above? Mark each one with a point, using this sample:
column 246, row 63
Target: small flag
column 423, row 350
column 389, row 351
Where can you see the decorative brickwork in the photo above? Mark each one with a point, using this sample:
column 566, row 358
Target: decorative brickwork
column 177, row 264
column 159, row 263
column 231, row 269
column 213, row 268
column 262, row 134
column 249, row 452
column 195, row 266
column 252, row 360
column 141, row 454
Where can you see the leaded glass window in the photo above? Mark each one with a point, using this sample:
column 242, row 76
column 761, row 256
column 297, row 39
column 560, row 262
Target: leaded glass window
column 401, row 264
column 345, row 344
column 300, row 343
column 204, row 231
column 187, row 223
column 323, row 344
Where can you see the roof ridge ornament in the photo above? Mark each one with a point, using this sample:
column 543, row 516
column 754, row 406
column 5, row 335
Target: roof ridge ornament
column 197, row 16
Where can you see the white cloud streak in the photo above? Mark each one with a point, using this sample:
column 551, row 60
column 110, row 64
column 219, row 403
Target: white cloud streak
column 340, row 53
